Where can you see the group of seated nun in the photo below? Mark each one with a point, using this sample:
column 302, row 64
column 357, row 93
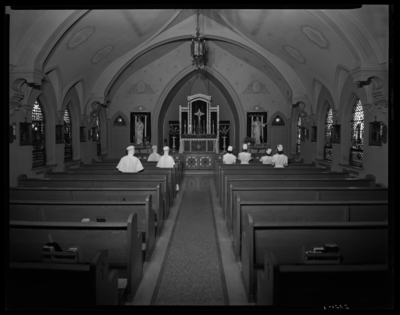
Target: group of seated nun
column 277, row 160
column 131, row 164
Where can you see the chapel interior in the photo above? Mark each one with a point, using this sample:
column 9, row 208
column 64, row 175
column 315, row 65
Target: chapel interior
column 86, row 83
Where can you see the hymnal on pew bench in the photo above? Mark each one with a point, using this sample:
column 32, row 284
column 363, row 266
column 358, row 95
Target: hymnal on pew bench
column 329, row 254
column 52, row 254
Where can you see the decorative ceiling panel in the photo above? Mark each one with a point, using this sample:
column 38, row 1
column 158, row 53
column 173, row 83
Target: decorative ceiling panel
column 315, row 36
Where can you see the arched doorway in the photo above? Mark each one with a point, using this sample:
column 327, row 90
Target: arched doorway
column 278, row 132
column 119, row 135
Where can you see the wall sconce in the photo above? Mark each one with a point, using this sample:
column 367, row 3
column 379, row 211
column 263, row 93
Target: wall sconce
column 377, row 133
column 13, row 132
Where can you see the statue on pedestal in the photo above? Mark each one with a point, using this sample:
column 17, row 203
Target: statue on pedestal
column 139, row 131
column 257, row 125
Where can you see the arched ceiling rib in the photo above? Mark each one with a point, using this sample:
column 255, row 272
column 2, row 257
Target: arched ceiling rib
column 298, row 43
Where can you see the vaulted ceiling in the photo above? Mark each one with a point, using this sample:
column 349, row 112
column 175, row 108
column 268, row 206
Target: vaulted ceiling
column 104, row 47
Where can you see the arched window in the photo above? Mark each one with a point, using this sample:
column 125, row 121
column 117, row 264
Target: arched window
column 98, row 135
column 328, row 134
column 278, row 121
column 38, row 136
column 357, row 135
column 119, row 121
column 67, row 135
column 298, row 135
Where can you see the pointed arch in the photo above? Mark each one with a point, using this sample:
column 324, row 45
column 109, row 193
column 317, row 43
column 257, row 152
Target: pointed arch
column 78, row 84
column 286, row 145
column 72, row 100
column 169, row 92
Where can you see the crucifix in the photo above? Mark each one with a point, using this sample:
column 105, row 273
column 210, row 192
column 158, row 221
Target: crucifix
column 199, row 114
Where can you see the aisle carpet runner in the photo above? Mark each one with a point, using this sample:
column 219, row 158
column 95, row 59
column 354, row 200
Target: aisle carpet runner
column 192, row 271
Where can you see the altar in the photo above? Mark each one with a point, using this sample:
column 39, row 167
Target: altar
column 199, row 125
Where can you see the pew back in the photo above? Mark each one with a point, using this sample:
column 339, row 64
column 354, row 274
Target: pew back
column 41, row 285
column 65, row 180
column 74, row 211
column 292, row 182
column 305, row 211
column 227, row 175
column 164, row 176
column 121, row 239
column 300, row 194
column 359, row 243
column 95, row 194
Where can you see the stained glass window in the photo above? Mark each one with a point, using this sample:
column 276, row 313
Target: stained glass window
column 38, row 136
column 67, row 136
column 357, row 135
column 278, row 121
column 98, row 136
column 328, row 135
column 298, row 135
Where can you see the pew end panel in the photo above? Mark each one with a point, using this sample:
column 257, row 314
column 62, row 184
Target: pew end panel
column 135, row 261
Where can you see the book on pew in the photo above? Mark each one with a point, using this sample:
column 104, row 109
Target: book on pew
column 329, row 254
column 101, row 219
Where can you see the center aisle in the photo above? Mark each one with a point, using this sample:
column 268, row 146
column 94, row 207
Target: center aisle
column 192, row 271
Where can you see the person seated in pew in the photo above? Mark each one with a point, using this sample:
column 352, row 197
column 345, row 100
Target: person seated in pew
column 130, row 163
column 154, row 157
column 267, row 159
column 244, row 156
column 279, row 159
column 229, row 158
column 167, row 161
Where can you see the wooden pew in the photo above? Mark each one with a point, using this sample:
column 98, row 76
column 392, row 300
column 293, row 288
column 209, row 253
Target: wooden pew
column 271, row 174
column 150, row 166
column 331, row 208
column 95, row 194
column 369, row 181
column 75, row 211
column 147, row 165
column 260, row 166
column 66, row 180
column 312, row 285
column 261, row 169
column 115, row 174
column 360, row 243
column 62, row 286
column 121, row 239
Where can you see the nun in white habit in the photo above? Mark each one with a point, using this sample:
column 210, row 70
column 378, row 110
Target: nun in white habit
column 279, row 159
column 154, row 157
column 229, row 158
column 166, row 160
column 130, row 163
column 267, row 159
column 244, row 156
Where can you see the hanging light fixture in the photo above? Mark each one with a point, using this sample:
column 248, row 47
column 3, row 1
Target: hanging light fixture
column 198, row 48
